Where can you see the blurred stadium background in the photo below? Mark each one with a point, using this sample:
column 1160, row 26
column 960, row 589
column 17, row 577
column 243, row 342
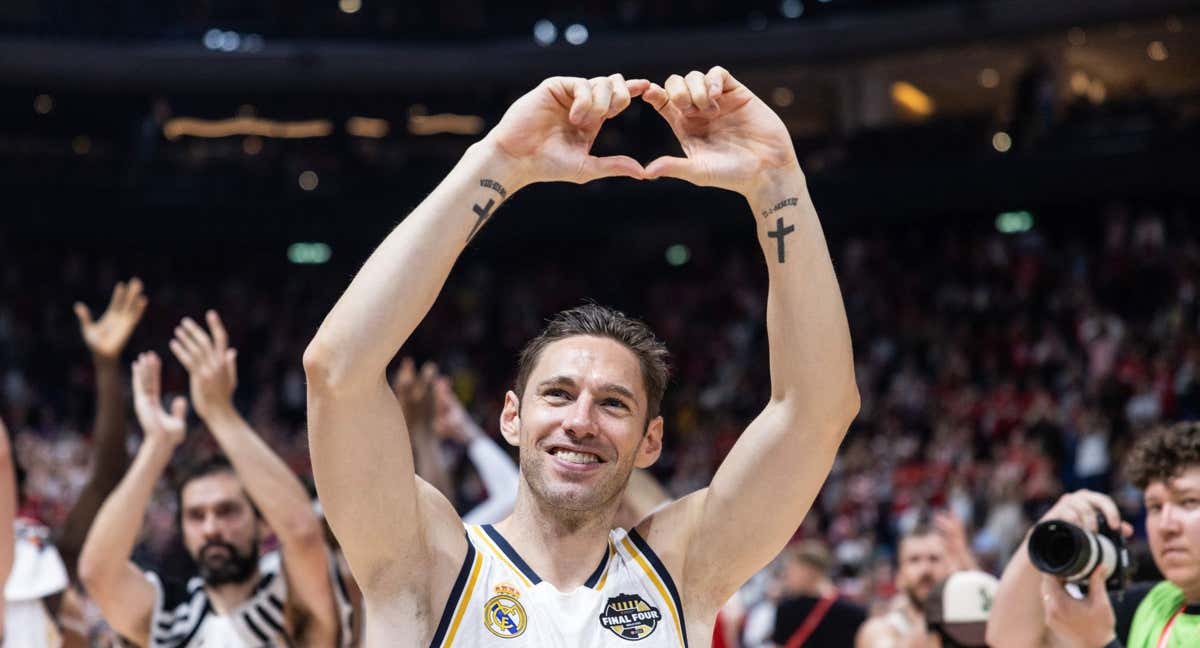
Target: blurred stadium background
column 1009, row 187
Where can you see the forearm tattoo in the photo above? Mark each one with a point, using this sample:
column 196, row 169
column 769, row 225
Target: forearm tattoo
column 484, row 212
column 781, row 229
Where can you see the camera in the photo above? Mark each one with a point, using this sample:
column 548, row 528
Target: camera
column 1062, row 549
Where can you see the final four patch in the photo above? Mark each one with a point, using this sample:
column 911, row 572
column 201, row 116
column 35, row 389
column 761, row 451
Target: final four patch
column 630, row 617
column 504, row 616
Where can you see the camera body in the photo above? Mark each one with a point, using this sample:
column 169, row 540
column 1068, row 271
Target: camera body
column 1064, row 550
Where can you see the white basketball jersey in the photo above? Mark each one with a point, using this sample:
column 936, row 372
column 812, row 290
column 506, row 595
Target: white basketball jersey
column 185, row 618
column 497, row 600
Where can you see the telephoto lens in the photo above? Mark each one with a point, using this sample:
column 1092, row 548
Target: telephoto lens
column 1064, row 550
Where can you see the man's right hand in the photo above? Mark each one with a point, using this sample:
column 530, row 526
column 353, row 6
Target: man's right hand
column 106, row 337
column 1079, row 508
column 160, row 426
column 549, row 131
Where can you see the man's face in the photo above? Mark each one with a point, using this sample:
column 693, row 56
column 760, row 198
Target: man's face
column 581, row 426
column 1173, row 527
column 922, row 565
column 220, row 529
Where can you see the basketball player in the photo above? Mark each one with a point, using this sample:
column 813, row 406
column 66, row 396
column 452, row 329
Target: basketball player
column 584, row 411
column 239, row 598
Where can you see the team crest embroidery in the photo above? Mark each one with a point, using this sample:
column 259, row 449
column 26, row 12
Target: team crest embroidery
column 503, row 614
column 630, row 617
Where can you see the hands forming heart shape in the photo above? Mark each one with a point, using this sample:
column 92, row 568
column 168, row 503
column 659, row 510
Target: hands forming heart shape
column 731, row 139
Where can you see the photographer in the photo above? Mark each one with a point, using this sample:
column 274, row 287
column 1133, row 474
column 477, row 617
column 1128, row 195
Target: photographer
column 1165, row 465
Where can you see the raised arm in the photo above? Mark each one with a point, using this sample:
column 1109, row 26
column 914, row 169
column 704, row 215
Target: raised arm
column 386, row 520
column 121, row 590
column 734, row 141
column 275, row 490
column 8, row 513
column 105, row 338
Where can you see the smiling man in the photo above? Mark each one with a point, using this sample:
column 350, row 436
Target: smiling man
column 1033, row 609
column 584, row 411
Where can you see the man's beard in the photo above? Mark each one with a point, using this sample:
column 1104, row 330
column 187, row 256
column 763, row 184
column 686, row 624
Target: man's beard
column 236, row 567
column 572, row 507
column 917, row 601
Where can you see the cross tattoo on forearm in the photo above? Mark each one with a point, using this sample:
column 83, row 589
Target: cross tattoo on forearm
column 778, row 233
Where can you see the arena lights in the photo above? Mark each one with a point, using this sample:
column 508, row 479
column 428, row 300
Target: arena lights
column 576, row 34
column 43, row 104
column 989, row 78
column 791, row 8
column 678, row 254
column 1014, row 222
column 1001, row 142
column 912, row 99
column 367, row 127
column 309, row 253
column 544, row 32
column 444, row 123
column 245, row 125
column 1157, row 51
column 349, row 6
column 783, row 96
column 252, row 145
column 308, row 180
column 230, row 41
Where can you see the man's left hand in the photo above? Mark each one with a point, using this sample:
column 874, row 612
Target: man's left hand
column 731, row 138
column 1087, row 623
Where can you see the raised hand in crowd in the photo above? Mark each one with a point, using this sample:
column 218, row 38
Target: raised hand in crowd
column 160, row 426
column 496, row 469
column 123, row 593
column 415, row 392
column 106, row 339
column 958, row 545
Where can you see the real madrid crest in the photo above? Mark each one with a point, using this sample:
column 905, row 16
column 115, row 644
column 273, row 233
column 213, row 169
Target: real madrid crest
column 503, row 615
column 630, row 617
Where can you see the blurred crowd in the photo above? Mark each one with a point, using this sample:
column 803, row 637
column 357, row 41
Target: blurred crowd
column 997, row 371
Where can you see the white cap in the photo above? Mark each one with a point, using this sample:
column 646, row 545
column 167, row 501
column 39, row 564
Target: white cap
column 960, row 605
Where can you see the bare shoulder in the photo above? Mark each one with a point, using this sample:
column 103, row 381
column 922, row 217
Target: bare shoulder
column 876, row 632
column 669, row 533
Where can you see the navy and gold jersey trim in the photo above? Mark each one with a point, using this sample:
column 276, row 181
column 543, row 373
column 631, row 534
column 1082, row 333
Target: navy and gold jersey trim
column 511, row 553
column 595, row 577
column 644, row 548
column 456, row 593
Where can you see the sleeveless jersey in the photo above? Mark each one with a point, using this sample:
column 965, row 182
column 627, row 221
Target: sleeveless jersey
column 185, row 618
column 497, row 600
column 1160, row 604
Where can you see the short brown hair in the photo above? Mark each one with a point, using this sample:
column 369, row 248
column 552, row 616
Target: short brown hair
column 1164, row 453
column 600, row 321
column 813, row 553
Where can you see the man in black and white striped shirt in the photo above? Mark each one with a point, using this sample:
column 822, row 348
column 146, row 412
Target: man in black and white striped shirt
column 238, row 598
